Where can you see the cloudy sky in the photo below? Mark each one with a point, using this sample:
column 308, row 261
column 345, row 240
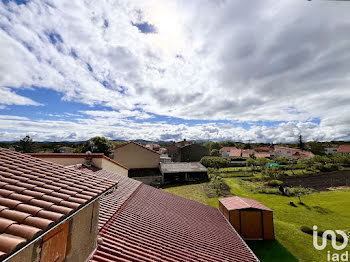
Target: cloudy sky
column 260, row 70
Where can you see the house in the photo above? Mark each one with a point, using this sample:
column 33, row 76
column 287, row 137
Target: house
column 344, row 149
column 292, row 153
column 136, row 156
column 138, row 222
column 266, row 149
column 247, row 153
column 96, row 160
column 186, row 151
column 251, row 219
column 182, row 172
column 143, row 163
column 47, row 211
column 164, row 158
column 225, row 151
column 331, row 150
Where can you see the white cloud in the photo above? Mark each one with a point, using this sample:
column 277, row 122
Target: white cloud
column 209, row 60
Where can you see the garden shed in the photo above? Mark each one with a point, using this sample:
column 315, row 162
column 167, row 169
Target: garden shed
column 251, row 219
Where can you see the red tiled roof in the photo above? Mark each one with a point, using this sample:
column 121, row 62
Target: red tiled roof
column 263, row 149
column 153, row 225
column 36, row 195
column 235, row 152
column 227, row 148
column 287, row 148
column 131, row 142
column 344, row 149
column 63, row 155
column 260, row 155
column 235, row 202
column 246, row 153
column 111, row 203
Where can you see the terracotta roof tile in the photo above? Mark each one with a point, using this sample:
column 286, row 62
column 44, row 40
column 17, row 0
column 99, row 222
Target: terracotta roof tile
column 10, row 242
column 141, row 223
column 34, row 196
column 153, row 225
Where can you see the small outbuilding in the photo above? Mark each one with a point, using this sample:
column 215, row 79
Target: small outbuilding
column 251, row 219
column 182, row 172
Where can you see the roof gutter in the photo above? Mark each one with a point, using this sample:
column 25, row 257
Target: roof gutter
column 58, row 224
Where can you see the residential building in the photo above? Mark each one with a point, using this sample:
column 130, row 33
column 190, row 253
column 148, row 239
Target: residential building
column 292, row 153
column 344, row 149
column 136, row 156
column 246, row 153
column 182, row 172
column 225, row 151
column 331, row 150
column 96, row 160
column 266, row 149
column 47, row 211
column 186, row 151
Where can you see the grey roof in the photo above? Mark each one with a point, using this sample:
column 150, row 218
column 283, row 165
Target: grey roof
column 178, row 167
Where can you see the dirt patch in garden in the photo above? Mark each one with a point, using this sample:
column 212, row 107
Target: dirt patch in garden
column 225, row 190
column 323, row 182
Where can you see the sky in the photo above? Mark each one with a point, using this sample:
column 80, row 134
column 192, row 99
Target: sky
column 258, row 71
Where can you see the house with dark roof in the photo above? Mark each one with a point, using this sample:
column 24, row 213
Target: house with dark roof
column 186, row 151
column 47, row 211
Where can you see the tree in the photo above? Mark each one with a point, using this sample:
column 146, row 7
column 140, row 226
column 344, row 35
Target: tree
column 317, row 148
column 301, row 143
column 262, row 161
column 282, row 160
column 26, row 145
column 98, row 145
column 215, row 152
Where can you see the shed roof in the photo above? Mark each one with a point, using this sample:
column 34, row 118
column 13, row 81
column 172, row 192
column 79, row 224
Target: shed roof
column 36, row 195
column 180, row 167
column 235, row 202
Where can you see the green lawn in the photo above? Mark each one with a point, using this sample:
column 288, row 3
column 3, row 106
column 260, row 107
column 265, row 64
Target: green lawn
column 327, row 210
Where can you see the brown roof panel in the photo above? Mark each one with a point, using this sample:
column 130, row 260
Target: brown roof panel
column 235, row 202
column 33, row 196
column 140, row 223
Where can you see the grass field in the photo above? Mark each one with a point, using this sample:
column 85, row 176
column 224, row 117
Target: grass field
column 327, row 210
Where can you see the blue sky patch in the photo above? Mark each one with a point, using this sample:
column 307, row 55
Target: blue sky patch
column 146, row 28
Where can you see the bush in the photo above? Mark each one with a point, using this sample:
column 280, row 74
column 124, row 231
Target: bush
column 274, row 183
column 214, row 162
column 269, row 173
column 295, row 191
column 274, row 191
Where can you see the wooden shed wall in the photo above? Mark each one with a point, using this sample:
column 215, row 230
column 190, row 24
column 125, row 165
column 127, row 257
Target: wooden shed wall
column 251, row 224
